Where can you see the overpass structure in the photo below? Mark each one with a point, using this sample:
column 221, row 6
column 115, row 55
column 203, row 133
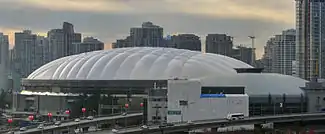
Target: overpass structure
column 223, row 122
column 70, row 126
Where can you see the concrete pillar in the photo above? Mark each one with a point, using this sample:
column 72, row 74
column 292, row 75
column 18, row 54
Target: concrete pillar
column 299, row 127
column 85, row 129
column 214, row 130
column 99, row 111
column 56, row 131
column 258, row 129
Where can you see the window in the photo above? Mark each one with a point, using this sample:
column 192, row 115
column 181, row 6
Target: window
column 156, row 107
column 156, row 117
column 223, row 90
column 183, row 103
column 155, row 99
column 174, row 112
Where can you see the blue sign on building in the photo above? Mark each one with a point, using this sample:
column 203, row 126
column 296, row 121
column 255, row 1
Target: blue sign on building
column 212, row 96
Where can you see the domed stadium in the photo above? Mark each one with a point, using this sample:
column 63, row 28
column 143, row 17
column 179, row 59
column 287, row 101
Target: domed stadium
column 137, row 69
column 138, row 64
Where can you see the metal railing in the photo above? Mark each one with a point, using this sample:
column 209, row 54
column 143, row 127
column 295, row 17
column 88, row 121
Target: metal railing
column 71, row 120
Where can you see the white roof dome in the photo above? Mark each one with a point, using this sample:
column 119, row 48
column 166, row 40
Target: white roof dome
column 138, row 63
column 145, row 63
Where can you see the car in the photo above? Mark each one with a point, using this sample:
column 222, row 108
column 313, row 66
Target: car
column 114, row 130
column 78, row 130
column 189, row 122
column 11, row 132
column 23, row 129
column 41, row 126
column 166, row 124
column 162, row 125
column 235, row 116
column 77, row 120
column 58, row 123
column 169, row 124
column 144, row 127
column 90, row 117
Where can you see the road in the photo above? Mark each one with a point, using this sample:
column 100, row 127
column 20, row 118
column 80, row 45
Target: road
column 185, row 126
column 206, row 123
column 71, row 124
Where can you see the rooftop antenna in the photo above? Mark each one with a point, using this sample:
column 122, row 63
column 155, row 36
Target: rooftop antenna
column 253, row 49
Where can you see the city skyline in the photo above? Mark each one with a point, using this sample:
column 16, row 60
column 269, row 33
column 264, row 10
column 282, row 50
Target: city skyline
column 108, row 23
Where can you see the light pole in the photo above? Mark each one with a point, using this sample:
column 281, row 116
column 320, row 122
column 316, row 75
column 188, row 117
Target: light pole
column 142, row 109
column 10, row 120
column 126, row 106
column 50, row 116
column 83, row 110
column 68, row 113
column 31, row 117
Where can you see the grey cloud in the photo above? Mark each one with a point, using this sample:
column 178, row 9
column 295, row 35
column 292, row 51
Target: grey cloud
column 110, row 26
column 272, row 4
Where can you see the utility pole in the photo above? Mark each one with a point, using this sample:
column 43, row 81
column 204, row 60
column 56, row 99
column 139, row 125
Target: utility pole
column 253, row 49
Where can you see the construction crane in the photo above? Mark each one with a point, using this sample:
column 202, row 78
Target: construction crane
column 253, row 48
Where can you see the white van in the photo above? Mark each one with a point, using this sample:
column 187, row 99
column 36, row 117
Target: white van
column 235, row 116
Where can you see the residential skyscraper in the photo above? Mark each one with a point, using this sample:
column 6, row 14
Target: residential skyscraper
column 185, row 41
column 149, row 35
column 61, row 40
column 29, row 53
column 310, row 49
column 243, row 54
column 219, row 44
column 279, row 53
column 89, row 44
column 4, row 61
column 24, row 53
column 269, row 53
column 42, row 50
column 120, row 43
column 284, row 52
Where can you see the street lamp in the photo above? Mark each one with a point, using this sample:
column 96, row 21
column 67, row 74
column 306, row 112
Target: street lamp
column 141, row 106
column 10, row 120
column 126, row 105
column 83, row 110
column 50, row 116
column 68, row 113
column 31, row 117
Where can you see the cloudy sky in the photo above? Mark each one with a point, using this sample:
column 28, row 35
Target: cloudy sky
column 111, row 19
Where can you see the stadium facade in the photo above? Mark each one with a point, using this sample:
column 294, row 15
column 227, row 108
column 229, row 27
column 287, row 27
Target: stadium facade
column 140, row 70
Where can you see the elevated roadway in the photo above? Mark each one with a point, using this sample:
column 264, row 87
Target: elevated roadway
column 182, row 126
column 70, row 126
column 223, row 122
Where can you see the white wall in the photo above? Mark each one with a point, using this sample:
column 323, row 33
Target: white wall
column 201, row 108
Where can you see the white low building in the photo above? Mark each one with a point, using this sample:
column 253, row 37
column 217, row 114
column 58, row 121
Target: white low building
column 186, row 102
